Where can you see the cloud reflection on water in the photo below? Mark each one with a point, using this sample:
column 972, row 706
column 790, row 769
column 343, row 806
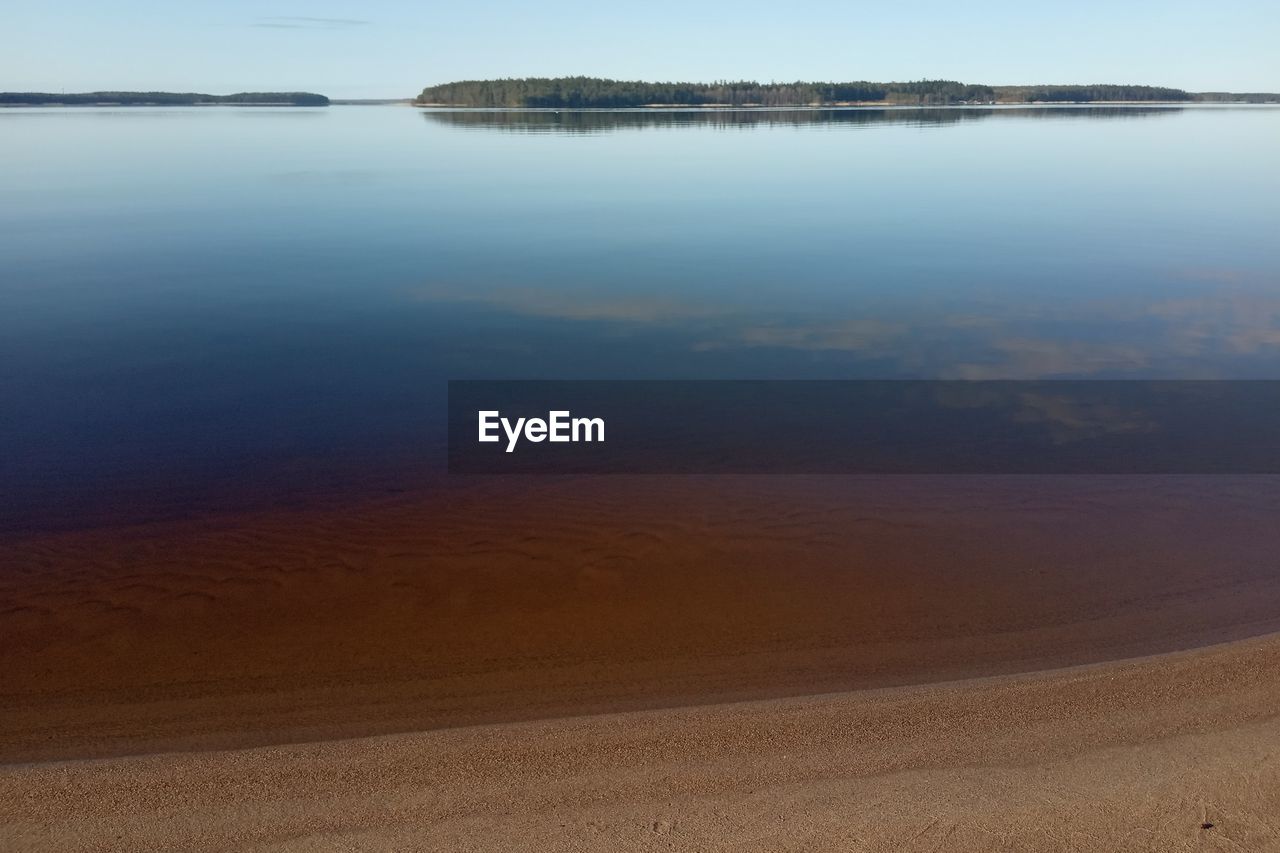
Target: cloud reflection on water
column 1216, row 332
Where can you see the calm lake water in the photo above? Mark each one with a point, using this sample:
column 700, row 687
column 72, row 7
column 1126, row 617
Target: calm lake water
column 198, row 305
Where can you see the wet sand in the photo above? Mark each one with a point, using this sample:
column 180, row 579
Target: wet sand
column 1179, row 752
column 487, row 605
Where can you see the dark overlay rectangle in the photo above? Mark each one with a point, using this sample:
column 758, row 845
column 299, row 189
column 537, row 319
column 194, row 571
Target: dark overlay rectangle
column 864, row 427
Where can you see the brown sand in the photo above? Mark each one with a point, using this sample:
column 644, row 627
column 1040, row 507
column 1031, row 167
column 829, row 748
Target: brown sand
column 488, row 604
column 1127, row 756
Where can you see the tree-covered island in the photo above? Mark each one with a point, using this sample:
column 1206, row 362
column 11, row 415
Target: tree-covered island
column 594, row 92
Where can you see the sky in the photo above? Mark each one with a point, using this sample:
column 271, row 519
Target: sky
column 393, row 48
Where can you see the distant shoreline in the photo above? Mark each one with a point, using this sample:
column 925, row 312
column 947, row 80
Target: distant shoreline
column 162, row 99
column 602, row 93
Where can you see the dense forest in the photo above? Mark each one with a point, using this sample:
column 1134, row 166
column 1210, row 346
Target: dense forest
column 1238, row 97
column 1086, row 94
column 162, row 99
column 580, row 92
column 570, row 92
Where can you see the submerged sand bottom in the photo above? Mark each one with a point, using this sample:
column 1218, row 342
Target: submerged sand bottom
column 630, row 664
column 1133, row 755
column 555, row 598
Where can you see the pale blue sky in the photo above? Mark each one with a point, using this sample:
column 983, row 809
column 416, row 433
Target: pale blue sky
column 392, row 48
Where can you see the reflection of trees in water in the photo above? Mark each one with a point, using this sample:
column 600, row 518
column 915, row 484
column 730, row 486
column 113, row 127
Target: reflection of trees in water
column 603, row 121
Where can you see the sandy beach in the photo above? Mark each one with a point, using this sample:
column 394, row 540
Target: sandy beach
column 1169, row 753
column 756, row 663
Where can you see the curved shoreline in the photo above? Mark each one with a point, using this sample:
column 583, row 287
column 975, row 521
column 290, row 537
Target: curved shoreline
column 565, row 598
column 1163, row 752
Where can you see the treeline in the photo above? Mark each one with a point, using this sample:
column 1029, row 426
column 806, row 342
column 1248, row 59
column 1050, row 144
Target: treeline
column 586, row 92
column 1085, row 94
column 1238, row 97
column 161, row 99
column 593, row 92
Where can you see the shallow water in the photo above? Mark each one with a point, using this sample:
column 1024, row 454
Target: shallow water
column 209, row 306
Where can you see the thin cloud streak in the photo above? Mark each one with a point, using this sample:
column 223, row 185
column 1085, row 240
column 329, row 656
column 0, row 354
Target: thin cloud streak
column 302, row 22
